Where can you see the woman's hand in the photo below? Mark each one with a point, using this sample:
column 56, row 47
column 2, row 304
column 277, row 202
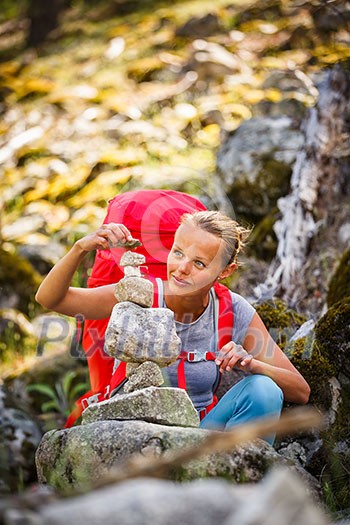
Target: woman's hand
column 232, row 355
column 107, row 235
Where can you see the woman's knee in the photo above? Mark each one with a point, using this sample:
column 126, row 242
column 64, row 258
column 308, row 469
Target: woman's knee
column 261, row 395
column 266, row 394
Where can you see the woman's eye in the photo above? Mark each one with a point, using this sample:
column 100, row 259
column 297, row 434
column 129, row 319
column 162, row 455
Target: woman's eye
column 199, row 264
column 177, row 253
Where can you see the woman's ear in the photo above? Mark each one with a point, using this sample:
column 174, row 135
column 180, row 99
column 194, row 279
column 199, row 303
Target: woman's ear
column 226, row 272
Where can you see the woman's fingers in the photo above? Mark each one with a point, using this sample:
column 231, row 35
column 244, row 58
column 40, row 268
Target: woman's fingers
column 115, row 232
column 231, row 355
column 102, row 238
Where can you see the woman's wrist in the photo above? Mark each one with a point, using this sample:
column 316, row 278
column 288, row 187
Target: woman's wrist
column 79, row 248
column 256, row 367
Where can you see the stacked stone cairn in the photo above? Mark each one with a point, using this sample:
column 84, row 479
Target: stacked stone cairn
column 145, row 338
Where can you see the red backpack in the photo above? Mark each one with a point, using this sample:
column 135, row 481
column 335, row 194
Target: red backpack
column 152, row 216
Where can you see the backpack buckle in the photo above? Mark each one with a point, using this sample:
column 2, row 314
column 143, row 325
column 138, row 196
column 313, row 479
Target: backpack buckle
column 202, row 412
column 95, row 398
column 87, row 401
column 196, row 356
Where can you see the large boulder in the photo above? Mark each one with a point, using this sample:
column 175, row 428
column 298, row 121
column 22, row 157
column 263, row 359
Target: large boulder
column 80, row 456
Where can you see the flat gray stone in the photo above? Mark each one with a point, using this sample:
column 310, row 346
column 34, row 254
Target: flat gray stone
column 165, row 406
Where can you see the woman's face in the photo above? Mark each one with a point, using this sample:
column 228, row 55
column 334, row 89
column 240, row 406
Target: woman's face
column 195, row 260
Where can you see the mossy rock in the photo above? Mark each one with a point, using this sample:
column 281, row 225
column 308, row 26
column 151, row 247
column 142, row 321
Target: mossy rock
column 18, row 282
column 280, row 320
column 341, row 427
column 339, row 286
column 332, row 336
column 306, row 355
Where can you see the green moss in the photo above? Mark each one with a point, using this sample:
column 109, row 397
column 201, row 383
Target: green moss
column 332, row 336
column 280, row 320
column 18, row 280
column 306, row 356
column 339, row 286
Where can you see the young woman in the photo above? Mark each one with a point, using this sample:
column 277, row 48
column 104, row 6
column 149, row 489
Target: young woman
column 205, row 250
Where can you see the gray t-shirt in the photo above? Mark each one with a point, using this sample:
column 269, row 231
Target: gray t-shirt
column 201, row 336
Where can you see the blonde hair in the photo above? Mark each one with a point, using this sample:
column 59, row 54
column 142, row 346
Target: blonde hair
column 233, row 234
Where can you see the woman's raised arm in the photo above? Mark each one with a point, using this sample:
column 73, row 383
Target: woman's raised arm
column 55, row 292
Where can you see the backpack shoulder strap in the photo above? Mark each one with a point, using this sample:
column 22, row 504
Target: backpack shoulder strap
column 158, row 290
column 224, row 315
column 158, row 293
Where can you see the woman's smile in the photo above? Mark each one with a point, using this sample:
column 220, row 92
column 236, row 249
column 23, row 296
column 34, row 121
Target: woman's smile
column 179, row 282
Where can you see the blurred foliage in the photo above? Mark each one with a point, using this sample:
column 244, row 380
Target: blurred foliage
column 10, row 9
column 57, row 401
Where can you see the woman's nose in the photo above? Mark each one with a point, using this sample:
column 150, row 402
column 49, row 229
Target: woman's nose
column 185, row 267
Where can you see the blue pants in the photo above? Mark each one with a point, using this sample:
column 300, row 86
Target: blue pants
column 253, row 397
